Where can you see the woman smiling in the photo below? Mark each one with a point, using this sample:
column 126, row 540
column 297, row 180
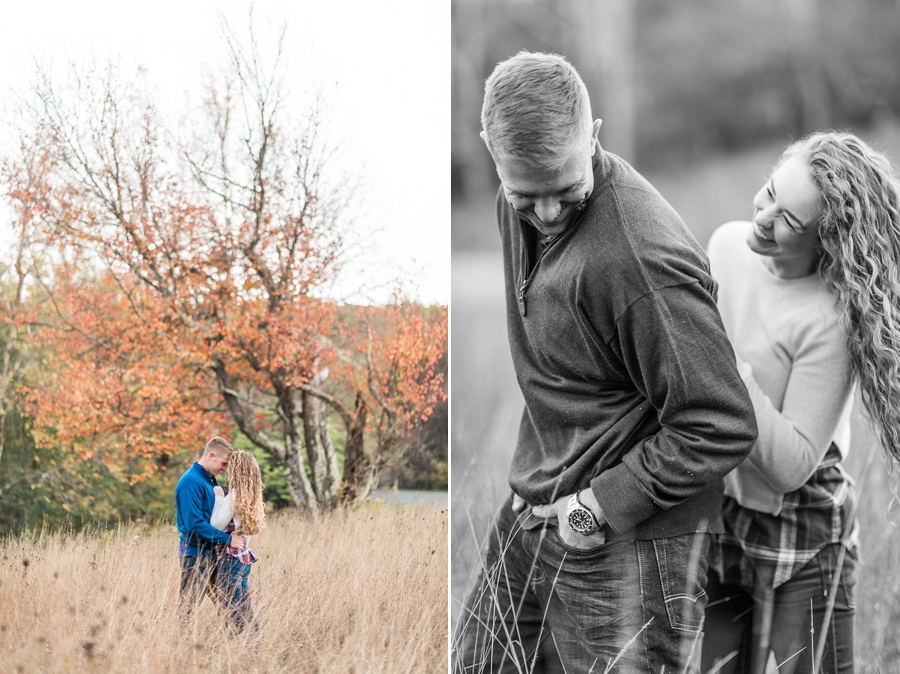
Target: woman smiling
column 808, row 293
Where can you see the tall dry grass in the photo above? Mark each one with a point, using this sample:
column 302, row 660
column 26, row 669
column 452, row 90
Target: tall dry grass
column 362, row 591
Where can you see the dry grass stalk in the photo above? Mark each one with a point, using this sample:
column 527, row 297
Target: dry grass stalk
column 363, row 591
column 836, row 578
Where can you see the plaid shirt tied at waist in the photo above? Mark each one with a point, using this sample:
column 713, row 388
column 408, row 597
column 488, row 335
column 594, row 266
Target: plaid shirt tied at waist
column 244, row 555
column 770, row 549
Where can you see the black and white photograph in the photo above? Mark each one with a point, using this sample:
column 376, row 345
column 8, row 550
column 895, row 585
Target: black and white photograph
column 675, row 360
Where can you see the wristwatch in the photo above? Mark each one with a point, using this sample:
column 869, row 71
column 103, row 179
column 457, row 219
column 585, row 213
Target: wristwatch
column 581, row 518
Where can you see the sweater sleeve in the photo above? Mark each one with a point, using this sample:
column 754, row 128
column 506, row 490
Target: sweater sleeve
column 223, row 511
column 793, row 441
column 677, row 354
column 190, row 504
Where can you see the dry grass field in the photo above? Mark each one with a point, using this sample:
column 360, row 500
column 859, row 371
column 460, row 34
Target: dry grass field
column 362, row 591
column 486, row 405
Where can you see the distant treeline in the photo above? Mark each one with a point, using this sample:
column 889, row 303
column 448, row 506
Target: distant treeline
column 675, row 81
column 48, row 487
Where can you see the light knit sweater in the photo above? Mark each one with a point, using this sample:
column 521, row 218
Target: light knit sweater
column 792, row 355
column 223, row 513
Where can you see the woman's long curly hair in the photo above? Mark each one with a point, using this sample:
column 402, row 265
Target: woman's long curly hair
column 245, row 480
column 860, row 231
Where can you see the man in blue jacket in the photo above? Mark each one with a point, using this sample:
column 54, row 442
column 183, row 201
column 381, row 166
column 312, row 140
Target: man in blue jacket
column 634, row 409
column 200, row 542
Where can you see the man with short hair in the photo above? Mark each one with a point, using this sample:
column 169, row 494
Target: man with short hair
column 200, row 543
column 634, row 410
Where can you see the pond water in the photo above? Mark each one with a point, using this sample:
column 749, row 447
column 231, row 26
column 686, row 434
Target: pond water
column 437, row 499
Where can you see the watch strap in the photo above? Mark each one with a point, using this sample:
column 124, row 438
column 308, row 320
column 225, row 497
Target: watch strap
column 581, row 503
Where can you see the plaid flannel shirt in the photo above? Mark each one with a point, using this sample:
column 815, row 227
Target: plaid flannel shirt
column 772, row 548
column 244, row 555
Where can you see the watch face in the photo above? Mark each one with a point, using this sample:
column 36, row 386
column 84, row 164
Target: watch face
column 581, row 520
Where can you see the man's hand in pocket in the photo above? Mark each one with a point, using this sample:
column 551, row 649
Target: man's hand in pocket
column 573, row 539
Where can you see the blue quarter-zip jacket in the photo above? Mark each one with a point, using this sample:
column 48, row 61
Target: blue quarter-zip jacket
column 194, row 499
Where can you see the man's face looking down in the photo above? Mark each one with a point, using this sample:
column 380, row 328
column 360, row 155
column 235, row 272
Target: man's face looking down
column 547, row 197
column 216, row 463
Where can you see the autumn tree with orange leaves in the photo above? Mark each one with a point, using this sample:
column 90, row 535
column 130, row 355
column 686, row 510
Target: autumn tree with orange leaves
column 188, row 282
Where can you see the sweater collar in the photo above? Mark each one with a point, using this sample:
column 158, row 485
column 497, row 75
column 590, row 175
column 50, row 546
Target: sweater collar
column 602, row 168
column 205, row 474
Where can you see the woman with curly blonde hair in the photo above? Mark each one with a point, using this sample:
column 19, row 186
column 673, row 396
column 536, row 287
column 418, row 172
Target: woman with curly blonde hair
column 809, row 293
column 241, row 512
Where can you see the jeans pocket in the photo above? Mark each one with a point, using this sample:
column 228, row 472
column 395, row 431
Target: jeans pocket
column 581, row 552
column 682, row 564
column 848, row 584
column 550, row 527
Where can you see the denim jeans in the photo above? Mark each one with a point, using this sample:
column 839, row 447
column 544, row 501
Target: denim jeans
column 735, row 613
column 636, row 604
column 234, row 590
column 198, row 579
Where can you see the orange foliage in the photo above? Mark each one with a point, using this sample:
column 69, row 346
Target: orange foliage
column 182, row 288
column 115, row 384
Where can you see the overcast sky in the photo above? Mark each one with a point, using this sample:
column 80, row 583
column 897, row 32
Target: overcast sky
column 383, row 64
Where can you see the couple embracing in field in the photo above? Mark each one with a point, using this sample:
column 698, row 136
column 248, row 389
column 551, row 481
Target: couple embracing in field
column 678, row 502
column 214, row 546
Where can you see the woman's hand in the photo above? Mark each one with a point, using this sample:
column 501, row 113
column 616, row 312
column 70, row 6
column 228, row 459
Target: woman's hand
column 218, row 491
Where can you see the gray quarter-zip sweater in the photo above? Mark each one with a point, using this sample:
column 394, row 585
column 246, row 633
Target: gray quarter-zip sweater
column 629, row 380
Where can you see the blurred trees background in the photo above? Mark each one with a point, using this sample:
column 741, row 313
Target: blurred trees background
column 169, row 282
column 678, row 82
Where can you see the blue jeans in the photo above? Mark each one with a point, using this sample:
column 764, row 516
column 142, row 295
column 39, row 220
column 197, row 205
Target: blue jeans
column 234, row 590
column 198, row 579
column 737, row 617
column 637, row 604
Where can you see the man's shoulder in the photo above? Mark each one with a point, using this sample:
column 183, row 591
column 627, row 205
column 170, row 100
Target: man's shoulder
column 624, row 177
column 634, row 230
column 628, row 199
column 189, row 476
column 647, row 214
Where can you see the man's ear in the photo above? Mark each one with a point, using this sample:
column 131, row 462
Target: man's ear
column 595, row 134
